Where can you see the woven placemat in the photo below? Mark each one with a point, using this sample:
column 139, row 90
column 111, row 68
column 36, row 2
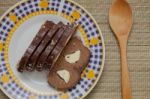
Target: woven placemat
column 138, row 49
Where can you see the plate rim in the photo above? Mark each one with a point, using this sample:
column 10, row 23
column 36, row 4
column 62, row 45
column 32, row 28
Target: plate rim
column 100, row 33
column 103, row 47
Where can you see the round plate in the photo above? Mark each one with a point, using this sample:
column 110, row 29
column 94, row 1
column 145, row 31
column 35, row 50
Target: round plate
column 19, row 25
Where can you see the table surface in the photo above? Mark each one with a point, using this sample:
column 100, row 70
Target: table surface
column 108, row 86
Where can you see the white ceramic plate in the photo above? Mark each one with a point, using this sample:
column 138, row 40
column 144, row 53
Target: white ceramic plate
column 19, row 25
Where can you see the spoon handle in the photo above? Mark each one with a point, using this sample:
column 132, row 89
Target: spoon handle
column 126, row 89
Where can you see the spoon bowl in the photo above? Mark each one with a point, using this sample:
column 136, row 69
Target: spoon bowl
column 120, row 18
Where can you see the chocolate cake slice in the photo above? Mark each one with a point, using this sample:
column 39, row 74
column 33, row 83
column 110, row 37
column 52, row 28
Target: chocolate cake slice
column 57, row 81
column 52, row 58
column 67, row 70
column 34, row 44
column 74, row 48
column 36, row 54
column 40, row 62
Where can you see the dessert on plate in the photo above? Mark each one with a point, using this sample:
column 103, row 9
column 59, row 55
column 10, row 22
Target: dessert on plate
column 55, row 49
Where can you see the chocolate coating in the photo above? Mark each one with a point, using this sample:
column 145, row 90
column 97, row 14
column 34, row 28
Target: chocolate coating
column 33, row 59
column 34, row 44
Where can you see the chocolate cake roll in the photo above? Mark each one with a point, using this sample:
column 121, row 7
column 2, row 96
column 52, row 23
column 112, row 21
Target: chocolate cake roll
column 34, row 44
column 57, row 81
column 40, row 62
column 74, row 48
column 67, row 70
column 36, row 54
column 52, row 58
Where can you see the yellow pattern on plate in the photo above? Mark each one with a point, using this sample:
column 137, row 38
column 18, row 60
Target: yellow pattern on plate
column 94, row 41
column 5, row 78
column 64, row 96
column 32, row 97
column 90, row 74
column 1, row 46
column 76, row 15
column 13, row 17
column 44, row 4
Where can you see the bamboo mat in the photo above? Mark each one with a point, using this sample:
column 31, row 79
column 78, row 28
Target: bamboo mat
column 108, row 86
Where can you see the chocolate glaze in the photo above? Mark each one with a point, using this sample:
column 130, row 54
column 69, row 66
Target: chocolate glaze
column 34, row 44
column 52, row 58
column 40, row 63
column 33, row 59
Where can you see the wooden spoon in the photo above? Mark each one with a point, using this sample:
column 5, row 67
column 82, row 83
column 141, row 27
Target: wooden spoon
column 120, row 18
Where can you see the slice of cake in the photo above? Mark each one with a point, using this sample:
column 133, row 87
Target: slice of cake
column 41, row 60
column 34, row 44
column 66, row 72
column 52, row 58
column 33, row 59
